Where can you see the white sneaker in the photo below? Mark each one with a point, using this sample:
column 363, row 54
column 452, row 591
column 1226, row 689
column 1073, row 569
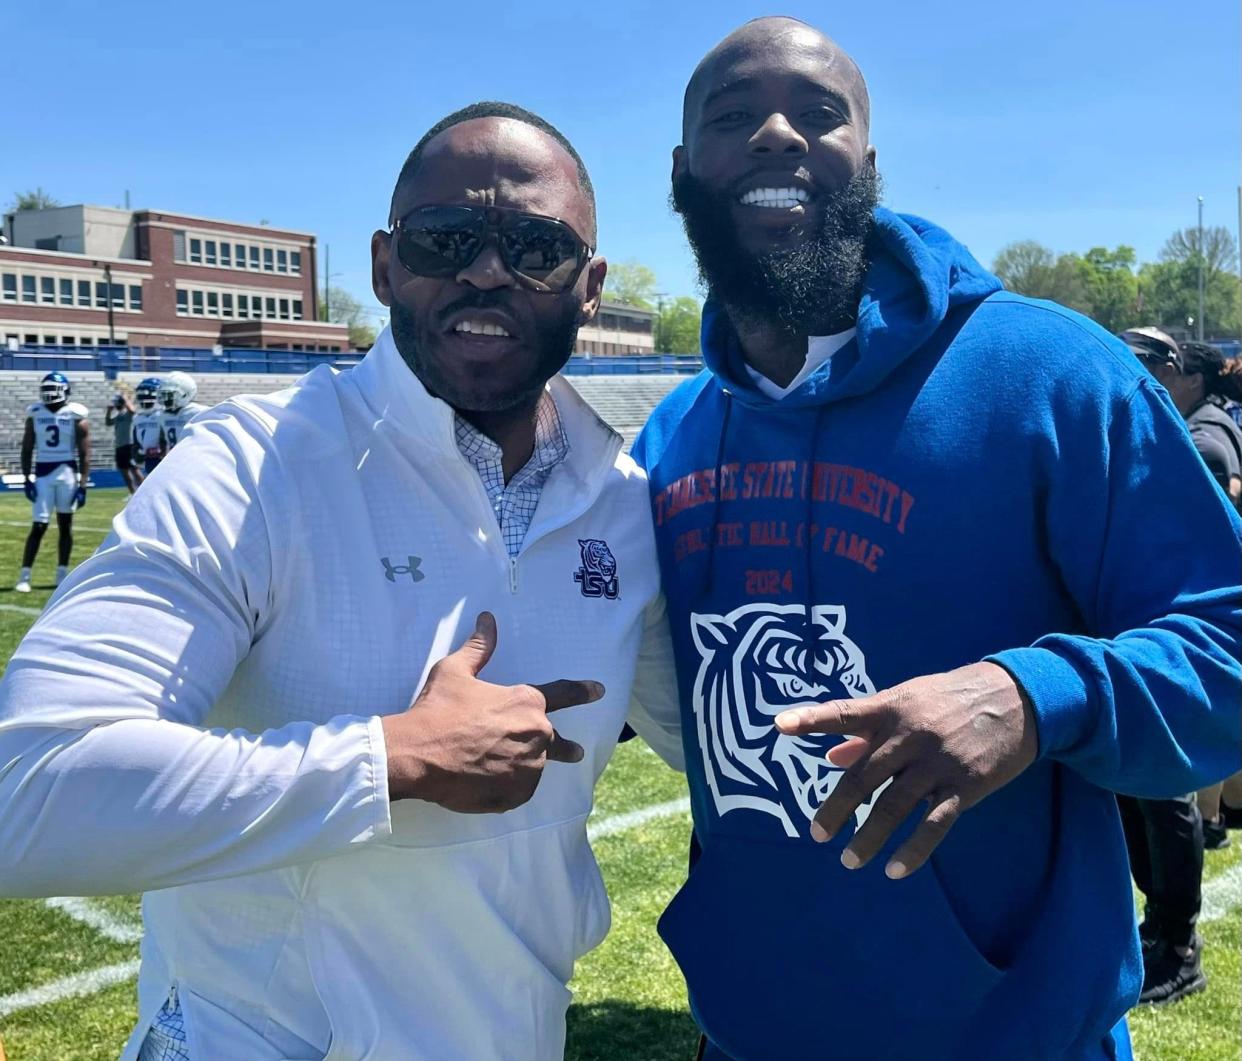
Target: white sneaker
column 62, row 573
column 23, row 586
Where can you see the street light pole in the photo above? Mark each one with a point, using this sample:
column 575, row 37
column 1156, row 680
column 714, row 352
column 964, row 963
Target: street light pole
column 1202, row 256
column 108, row 282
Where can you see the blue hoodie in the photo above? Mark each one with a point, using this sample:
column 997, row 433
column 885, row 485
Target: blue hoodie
column 976, row 475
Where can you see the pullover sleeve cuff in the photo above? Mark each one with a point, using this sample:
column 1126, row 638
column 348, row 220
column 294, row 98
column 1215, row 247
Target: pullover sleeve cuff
column 381, row 823
column 1057, row 692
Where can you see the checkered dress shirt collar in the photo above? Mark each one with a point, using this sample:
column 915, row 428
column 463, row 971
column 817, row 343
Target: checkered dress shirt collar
column 514, row 503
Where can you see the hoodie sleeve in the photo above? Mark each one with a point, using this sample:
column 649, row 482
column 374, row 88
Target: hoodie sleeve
column 1147, row 700
column 655, row 708
column 108, row 781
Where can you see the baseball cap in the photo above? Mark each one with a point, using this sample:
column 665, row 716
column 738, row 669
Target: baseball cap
column 1151, row 344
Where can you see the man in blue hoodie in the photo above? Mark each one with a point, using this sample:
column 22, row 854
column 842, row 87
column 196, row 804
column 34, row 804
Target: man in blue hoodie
column 941, row 530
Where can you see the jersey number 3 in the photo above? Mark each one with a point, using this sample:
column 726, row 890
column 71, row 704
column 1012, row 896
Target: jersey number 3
column 53, row 435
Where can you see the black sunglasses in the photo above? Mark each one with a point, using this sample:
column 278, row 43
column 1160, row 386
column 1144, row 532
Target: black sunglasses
column 543, row 253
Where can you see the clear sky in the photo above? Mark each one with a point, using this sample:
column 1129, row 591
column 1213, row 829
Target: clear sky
column 1074, row 122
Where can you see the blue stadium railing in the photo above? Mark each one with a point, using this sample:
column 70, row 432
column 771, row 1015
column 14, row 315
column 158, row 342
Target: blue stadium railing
column 153, row 360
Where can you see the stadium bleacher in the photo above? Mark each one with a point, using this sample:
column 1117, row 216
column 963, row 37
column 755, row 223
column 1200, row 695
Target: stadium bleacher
column 624, row 401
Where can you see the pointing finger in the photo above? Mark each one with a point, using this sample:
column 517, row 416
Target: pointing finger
column 834, row 716
column 567, row 693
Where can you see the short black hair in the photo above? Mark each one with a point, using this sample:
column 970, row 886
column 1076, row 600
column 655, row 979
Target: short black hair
column 491, row 109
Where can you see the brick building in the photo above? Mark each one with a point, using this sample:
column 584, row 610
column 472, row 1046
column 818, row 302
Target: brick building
column 89, row 275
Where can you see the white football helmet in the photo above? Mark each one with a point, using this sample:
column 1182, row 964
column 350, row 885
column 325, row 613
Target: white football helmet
column 177, row 390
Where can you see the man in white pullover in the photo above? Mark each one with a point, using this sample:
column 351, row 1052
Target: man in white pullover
column 248, row 705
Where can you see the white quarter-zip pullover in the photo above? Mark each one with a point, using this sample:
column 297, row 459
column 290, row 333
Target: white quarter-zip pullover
column 196, row 715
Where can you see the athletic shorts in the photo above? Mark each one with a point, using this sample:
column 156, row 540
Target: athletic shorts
column 124, row 457
column 56, row 490
column 149, row 465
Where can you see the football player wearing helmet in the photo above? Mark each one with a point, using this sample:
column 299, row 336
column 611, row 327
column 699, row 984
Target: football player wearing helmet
column 176, row 395
column 57, row 444
column 147, row 433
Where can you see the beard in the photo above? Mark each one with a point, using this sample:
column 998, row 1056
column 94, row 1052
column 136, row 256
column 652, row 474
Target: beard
column 485, row 391
column 811, row 288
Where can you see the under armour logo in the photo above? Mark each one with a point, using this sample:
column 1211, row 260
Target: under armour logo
column 391, row 572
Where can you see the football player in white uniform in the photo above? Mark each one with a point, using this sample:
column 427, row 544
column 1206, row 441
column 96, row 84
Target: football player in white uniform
column 58, row 439
column 147, row 433
column 177, row 393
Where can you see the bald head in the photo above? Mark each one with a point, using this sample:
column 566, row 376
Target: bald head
column 781, row 42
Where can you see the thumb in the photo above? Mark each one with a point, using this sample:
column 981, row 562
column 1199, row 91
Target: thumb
column 479, row 646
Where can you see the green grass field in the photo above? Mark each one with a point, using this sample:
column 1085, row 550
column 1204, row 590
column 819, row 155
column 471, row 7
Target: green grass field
column 67, row 988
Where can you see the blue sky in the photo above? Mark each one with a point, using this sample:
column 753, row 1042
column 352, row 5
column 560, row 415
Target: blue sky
column 1074, row 122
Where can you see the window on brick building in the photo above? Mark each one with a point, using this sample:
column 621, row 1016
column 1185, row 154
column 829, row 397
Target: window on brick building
column 295, row 263
column 118, row 296
column 178, row 246
column 284, row 309
column 297, row 309
column 101, row 295
column 254, row 257
column 267, row 259
column 282, row 261
column 213, row 304
column 84, row 292
column 196, row 303
column 66, row 292
column 239, row 255
column 196, row 251
column 243, row 306
column 28, row 289
column 47, row 285
column 226, row 255
column 269, row 307
column 226, row 305
column 183, row 302
column 135, row 297
column 210, row 252
column 9, row 288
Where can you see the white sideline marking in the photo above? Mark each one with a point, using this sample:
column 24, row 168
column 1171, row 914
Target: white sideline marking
column 20, row 608
column 88, row 983
column 76, row 525
column 103, row 922
column 618, row 823
column 1222, row 894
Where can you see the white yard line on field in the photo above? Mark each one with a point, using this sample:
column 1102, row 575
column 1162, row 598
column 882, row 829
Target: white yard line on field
column 76, row 526
column 618, row 823
column 1222, row 894
column 98, row 918
column 21, row 609
column 75, row 986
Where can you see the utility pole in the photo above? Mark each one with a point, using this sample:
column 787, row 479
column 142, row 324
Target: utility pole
column 108, row 284
column 1202, row 262
column 658, row 330
column 327, row 275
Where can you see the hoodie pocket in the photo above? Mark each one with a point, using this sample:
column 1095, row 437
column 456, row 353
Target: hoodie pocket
column 787, row 954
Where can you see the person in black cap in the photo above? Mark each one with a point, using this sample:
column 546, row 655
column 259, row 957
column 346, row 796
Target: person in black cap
column 1166, row 838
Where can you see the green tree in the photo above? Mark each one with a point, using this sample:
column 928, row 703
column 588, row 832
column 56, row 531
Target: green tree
column 678, row 326
column 632, row 283
column 1109, row 286
column 1169, row 288
column 36, row 199
column 343, row 308
column 1029, row 268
